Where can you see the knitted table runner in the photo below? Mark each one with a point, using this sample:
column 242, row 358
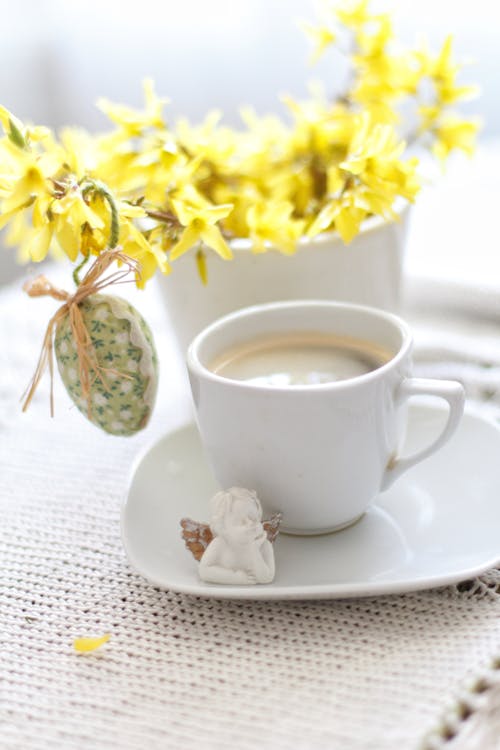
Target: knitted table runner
column 406, row 671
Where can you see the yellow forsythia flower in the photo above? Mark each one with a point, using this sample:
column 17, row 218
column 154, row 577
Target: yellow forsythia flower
column 321, row 37
column 199, row 220
column 132, row 121
column 162, row 191
column 454, row 133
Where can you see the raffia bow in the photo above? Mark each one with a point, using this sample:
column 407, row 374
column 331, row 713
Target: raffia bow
column 92, row 283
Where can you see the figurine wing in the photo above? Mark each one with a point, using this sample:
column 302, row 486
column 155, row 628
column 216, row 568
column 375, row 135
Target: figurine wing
column 197, row 536
column 272, row 526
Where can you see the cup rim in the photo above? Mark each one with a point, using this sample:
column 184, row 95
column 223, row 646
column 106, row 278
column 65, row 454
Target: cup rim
column 196, row 366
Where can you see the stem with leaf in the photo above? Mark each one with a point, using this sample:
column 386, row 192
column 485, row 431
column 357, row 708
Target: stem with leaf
column 101, row 189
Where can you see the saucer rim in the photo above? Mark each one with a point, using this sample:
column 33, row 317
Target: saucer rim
column 302, row 592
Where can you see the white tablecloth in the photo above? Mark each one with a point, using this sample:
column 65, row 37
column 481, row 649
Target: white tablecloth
column 181, row 672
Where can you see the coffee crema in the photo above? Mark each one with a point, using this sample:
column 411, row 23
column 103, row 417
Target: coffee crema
column 299, row 358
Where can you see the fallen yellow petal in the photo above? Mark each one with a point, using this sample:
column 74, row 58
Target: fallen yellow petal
column 82, row 645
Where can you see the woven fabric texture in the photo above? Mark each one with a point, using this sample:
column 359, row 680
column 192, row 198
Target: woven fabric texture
column 472, row 720
column 181, row 672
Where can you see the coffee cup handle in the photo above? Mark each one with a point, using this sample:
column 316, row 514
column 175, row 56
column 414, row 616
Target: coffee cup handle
column 450, row 391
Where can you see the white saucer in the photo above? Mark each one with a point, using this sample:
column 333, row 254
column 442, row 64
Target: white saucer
column 437, row 525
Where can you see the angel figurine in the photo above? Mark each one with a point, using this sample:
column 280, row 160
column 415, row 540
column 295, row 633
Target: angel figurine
column 236, row 548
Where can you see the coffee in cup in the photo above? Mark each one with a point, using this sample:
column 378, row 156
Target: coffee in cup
column 299, row 358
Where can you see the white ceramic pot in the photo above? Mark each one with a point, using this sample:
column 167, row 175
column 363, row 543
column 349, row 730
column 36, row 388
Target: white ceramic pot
column 368, row 271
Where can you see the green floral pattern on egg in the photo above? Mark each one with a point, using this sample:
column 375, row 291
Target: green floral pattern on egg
column 124, row 345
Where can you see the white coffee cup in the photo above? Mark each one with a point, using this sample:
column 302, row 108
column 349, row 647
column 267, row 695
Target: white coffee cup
column 319, row 454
